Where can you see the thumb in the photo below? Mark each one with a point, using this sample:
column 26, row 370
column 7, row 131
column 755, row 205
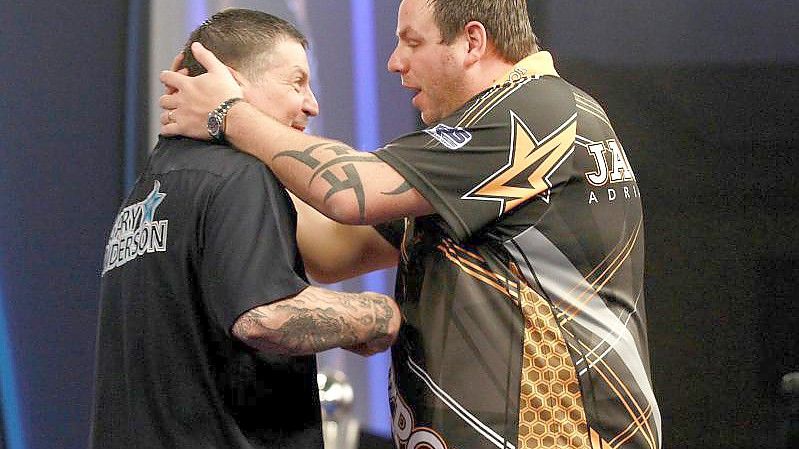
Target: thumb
column 207, row 59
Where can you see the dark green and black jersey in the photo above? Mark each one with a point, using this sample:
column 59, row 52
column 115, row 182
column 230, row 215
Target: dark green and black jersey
column 523, row 295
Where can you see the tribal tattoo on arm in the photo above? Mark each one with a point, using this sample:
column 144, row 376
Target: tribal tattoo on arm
column 317, row 320
column 345, row 158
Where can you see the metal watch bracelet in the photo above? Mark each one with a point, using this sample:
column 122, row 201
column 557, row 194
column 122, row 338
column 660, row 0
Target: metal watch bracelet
column 216, row 119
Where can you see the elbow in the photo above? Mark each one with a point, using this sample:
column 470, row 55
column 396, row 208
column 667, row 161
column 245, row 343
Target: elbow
column 249, row 331
column 258, row 334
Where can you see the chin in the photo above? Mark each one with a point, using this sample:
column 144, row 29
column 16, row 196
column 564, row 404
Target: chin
column 429, row 119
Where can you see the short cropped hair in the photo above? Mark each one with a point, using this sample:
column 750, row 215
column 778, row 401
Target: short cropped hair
column 240, row 38
column 506, row 22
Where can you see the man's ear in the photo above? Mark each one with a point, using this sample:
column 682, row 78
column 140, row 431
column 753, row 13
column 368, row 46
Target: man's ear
column 477, row 40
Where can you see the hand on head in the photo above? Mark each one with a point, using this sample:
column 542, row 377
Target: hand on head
column 188, row 100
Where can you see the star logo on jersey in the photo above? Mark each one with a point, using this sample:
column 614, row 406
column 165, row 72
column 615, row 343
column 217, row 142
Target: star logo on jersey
column 531, row 162
column 151, row 203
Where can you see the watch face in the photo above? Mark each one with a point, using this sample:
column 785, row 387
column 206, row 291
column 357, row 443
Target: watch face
column 214, row 126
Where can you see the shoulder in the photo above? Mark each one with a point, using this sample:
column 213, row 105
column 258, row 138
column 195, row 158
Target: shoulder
column 203, row 158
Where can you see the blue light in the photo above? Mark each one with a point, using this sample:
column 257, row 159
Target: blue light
column 367, row 137
column 15, row 437
column 196, row 14
column 364, row 75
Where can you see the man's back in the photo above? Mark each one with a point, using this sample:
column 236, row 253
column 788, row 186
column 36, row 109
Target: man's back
column 206, row 235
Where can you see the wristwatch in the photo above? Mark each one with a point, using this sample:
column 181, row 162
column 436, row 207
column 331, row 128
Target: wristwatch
column 216, row 120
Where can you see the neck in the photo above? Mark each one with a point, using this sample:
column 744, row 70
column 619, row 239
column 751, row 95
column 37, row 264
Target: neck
column 487, row 71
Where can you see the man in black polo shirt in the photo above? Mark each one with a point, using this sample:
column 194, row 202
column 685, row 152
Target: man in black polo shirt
column 520, row 240
column 208, row 325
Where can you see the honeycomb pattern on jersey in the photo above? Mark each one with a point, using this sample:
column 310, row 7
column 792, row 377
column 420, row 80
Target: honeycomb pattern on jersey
column 551, row 413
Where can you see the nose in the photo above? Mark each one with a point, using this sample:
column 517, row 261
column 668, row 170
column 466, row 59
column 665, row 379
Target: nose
column 395, row 63
column 309, row 105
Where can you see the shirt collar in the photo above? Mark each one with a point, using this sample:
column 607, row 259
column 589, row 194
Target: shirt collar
column 539, row 63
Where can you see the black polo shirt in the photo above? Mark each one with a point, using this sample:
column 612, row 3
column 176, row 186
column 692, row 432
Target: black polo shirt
column 207, row 234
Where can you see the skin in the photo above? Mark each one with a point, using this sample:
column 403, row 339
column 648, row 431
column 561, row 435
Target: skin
column 345, row 185
column 284, row 88
column 426, row 66
column 315, row 319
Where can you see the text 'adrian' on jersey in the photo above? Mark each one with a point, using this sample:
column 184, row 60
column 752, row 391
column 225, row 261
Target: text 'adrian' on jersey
column 451, row 137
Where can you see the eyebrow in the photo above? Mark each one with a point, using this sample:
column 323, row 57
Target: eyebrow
column 406, row 33
column 300, row 71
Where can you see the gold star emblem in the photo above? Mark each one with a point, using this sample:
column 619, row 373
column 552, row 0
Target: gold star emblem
column 530, row 164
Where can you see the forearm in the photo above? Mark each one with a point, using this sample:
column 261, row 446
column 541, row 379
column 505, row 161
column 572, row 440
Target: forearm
column 333, row 252
column 346, row 185
column 317, row 320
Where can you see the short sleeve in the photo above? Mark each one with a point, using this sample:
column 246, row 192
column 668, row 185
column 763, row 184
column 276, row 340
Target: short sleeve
column 249, row 252
column 507, row 147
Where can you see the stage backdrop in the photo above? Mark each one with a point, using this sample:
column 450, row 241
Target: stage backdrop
column 61, row 115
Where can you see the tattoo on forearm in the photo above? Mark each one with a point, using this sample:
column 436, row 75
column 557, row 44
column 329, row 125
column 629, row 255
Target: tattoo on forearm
column 316, row 329
column 317, row 321
column 340, row 160
column 402, row 188
column 344, row 155
column 353, row 182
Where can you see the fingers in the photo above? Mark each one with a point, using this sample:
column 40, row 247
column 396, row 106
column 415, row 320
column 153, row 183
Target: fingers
column 170, row 129
column 169, row 101
column 176, row 62
column 207, row 59
column 173, row 80
column 171, row 90
column 167, row 116
column 362, row 350
column 169, row 124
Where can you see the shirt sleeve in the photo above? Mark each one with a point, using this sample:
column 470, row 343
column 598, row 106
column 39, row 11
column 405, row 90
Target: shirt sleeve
column 249, row 252
column 506, row 148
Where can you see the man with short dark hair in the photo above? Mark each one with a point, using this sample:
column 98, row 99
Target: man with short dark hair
column 208, row 325
column 520, row 235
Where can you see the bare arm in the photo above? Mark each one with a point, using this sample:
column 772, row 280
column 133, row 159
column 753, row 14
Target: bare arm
column 346, row 185
column 317, row 319
column 333, row 252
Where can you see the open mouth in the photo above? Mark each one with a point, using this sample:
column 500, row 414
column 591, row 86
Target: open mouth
column 416, row 93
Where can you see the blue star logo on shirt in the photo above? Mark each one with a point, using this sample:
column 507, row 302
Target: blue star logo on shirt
column 152, row 202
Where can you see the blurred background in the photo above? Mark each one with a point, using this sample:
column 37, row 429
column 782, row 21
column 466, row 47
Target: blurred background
column 702, row 94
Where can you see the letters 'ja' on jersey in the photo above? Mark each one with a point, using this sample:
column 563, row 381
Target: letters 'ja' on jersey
column 523, row 295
